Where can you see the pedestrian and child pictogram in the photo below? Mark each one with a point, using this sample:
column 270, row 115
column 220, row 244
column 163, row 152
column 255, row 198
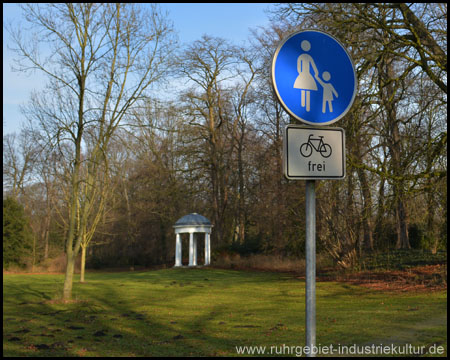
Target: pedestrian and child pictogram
column 314, row 77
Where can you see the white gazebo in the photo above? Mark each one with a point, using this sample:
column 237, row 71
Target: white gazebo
column 192, row 223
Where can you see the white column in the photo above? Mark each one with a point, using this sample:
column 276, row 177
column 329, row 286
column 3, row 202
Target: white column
column 178, row 251
column 191, row 249
column 195, row 251
column 207, row 249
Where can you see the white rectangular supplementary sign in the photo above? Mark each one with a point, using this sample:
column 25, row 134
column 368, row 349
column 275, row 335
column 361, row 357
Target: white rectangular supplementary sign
column 311, row 153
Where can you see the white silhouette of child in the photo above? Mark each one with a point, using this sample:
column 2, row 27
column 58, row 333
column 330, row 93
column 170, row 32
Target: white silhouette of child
column 328, row 91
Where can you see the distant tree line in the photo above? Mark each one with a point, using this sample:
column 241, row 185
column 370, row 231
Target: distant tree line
column 214, row 145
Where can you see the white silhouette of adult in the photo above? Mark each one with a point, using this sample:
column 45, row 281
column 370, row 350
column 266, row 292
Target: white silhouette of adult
column 305, row 81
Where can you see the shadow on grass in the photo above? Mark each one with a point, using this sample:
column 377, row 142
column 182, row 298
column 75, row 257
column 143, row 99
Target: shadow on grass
column 119, row 315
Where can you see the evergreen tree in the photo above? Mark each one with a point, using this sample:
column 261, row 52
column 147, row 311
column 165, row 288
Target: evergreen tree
column 17, row 238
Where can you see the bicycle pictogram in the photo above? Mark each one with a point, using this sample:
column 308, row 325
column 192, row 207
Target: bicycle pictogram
column 317, row 144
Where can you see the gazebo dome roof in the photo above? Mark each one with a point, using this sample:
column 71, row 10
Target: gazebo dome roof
column 193, row 219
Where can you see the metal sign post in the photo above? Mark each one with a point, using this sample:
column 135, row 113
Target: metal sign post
column 310, row 265
column 315, row 81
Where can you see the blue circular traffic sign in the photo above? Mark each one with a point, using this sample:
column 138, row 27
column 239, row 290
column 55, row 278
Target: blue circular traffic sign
column 314, row 77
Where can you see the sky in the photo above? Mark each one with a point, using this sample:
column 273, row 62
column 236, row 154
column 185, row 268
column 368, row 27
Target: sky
column 231, row 21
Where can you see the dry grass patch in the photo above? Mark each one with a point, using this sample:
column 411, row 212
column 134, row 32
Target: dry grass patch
column 275, row 263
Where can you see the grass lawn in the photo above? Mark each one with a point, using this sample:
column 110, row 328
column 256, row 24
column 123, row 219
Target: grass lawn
column 206, row 312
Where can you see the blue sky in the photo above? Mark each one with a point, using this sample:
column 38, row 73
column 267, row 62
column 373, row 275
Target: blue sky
column 231, row 21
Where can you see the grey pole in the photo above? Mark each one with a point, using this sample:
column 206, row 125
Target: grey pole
column 310, row 266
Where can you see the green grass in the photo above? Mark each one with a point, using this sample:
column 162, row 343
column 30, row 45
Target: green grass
column 205, row 312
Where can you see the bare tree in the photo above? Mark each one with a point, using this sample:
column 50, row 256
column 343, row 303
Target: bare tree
column 102, row 59
column 208, row 63
column 243, row 100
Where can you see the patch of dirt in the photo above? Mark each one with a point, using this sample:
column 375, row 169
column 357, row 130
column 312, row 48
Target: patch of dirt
column 73, row 327
column 14, row 338
column 246, row 326
column 422, row 278
column 100, row 333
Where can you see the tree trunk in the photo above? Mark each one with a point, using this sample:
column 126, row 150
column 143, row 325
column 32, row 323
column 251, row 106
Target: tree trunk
column 129, row 228
column 46, row 235
column 402, row 226
column 68, row 280
column 388, row 96
column 430, row 222
column 367, row 210
column 73, row 210
column 241, row 196
column 83, row 263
